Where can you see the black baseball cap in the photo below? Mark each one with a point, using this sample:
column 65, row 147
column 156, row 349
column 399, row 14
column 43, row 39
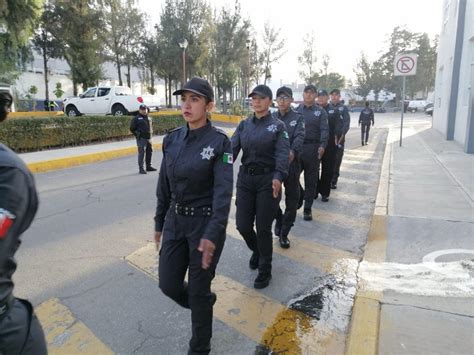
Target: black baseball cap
column 311, row 87
column 263, row 91
column 198, row 86
column 142, row 107
column 6, row 98
column 284, row 90
column 322, row 92
column 335, row 91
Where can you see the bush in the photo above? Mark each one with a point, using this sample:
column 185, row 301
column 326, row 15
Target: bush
column 32, row 134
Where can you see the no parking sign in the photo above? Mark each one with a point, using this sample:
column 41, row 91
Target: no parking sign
column 405, row 64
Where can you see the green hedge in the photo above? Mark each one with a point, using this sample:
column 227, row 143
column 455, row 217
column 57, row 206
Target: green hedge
column 32, row 134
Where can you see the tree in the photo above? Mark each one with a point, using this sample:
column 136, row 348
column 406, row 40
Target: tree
column 363, row 73
column 46, row 44
column 257, row 62
column 58, row 91
column 180, row 19
column 272, row 49
column 79, row 24
column 18, row 19
column 426, row 65
column 308, row 59
column 230, row 38
column 30, row 95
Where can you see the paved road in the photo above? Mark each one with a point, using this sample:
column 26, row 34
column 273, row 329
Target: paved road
column 88, row 262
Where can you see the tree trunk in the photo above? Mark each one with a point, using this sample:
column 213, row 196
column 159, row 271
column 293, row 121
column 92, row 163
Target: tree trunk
column 166, row 91
column 129, row 80
column 152, row 81
column 119, row 69
column 170, row 82
column 46, row 79
column 224, row 100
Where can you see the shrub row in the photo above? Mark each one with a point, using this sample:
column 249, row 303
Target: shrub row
column 33, row 134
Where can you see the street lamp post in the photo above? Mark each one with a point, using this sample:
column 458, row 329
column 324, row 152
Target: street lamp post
column 184, row 45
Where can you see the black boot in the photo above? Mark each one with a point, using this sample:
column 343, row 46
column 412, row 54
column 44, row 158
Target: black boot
column 262, row 280
column 150, row 168
column 277, row 227
column 253, row 262
column 284, row 242
column 307, row 216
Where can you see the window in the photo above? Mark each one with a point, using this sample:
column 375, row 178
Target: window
column 90, row 92
column 103, row 92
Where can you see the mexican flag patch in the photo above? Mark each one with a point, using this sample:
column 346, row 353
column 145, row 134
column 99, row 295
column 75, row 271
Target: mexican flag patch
column 228, row 158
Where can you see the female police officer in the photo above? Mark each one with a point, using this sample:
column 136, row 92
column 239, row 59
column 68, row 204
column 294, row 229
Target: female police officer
column 265, row 146
column 194, row 193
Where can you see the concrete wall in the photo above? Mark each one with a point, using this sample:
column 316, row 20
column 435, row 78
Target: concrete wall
column 446, row 84
column 59, row 72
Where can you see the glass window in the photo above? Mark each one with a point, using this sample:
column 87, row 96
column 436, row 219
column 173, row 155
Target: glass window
column 90, row 92
column 103, row 92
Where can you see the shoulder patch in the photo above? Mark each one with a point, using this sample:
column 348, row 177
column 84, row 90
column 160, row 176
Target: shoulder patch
column 6, row 221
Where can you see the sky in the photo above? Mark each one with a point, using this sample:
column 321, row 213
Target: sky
column 343, row 28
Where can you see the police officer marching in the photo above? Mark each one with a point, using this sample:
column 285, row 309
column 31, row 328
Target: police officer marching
column 366, row 116
column 20, row 330
column 314, row 145
column 142, row 128
column 327, row 162
column 265, row 150
column 194, row 193
column 342, row 127
column 294, row 123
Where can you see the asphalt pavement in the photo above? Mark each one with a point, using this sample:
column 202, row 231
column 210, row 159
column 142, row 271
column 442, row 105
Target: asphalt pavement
column 89, row 265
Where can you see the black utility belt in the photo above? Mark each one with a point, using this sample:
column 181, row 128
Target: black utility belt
column 6, row 305
column 182, row 210
column 256, row 170
column 311, row 141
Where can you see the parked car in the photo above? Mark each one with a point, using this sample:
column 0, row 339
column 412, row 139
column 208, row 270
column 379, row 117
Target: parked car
column 101, row 100
column 429, row 108
column 416, row 105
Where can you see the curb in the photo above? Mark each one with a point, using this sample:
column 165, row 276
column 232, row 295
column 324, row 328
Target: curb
column 62, row 163
column 363, row 334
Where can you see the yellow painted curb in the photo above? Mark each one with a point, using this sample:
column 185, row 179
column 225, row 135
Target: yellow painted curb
column 364, row 329
column 35, row 114
column 217, row 117
column 62, row 163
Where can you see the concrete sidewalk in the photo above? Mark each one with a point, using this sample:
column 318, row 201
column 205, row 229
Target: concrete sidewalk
column 416, row 285
column 61, row 158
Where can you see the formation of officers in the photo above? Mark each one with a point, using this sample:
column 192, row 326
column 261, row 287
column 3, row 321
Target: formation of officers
column 195, row 187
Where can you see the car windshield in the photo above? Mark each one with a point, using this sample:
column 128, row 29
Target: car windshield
column 123, row 91
column 90, row 92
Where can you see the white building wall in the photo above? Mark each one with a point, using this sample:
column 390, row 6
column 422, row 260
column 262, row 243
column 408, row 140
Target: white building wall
column 444, row 65
column 443, row 85
column 465, row 84
column 59, row 72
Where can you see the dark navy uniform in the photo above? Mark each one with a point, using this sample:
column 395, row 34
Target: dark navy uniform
column 295, row 126
column 365, row 117
column 342, row 127
column 316, row 135
column 20, row 330
column 194, row 193
column 327, row 162
column 141, row 127
column 265, row 150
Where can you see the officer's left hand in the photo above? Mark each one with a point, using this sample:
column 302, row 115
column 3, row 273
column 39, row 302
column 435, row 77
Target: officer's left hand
column 292, row 156
column 206, row 247
column 276, row 185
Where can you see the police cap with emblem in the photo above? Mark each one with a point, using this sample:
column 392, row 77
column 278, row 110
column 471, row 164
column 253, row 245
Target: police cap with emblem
column 311, row 87
column 284, row 90
column 198, row 86
column 263, row 91
column 322, row 92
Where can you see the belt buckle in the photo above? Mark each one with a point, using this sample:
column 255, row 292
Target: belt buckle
column 251, row 171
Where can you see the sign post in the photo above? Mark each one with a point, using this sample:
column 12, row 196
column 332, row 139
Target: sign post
column 404, row 65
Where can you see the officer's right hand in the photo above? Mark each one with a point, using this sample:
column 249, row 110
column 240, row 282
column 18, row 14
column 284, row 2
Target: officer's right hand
column 157, row 240
column 320, row 152
column 276, row 185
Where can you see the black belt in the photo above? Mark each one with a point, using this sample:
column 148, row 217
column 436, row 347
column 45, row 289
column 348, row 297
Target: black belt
column 256, row 170
column 6, row 305
column 311, row 141
column 192, row 211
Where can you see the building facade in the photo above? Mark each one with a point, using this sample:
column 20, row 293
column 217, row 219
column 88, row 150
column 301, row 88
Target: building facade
column 453, row 100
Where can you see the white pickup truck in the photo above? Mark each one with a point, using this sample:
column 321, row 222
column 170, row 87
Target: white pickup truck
column 116, row 100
